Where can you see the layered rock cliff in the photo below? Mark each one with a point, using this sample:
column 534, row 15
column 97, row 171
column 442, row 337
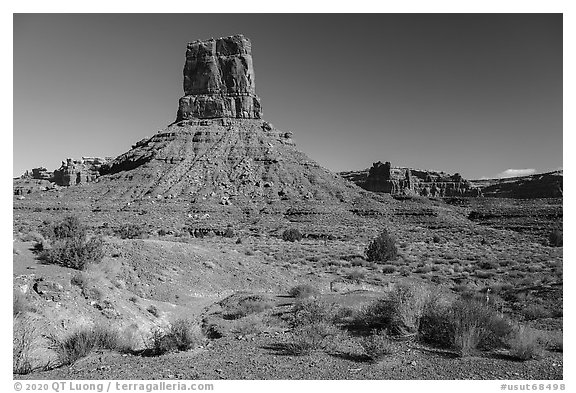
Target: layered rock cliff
column 219, row 80
column 382, row 177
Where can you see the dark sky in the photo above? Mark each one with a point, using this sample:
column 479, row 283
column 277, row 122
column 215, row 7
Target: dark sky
column 477, row 94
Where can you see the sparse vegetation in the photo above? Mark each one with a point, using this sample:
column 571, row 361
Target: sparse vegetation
column 400, row 312
column 555, row 239
column 464, row 325
column 356, row 275
column 152, row 309
column 179, row 336
column 19, row 303
column 68, row 245
column 303, row 291
column 25, row 332
column 526, row 344
column 229, row 233
column 310, row 337
column 80, row 343
column 291, row 235
column 130, row 231
column 382, row 248
column 245, row 306
column 376, row 345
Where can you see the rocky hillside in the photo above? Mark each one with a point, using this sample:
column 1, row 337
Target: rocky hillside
column 543, row 185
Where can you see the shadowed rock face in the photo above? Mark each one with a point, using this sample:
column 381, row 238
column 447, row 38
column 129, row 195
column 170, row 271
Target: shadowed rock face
column 219, row 80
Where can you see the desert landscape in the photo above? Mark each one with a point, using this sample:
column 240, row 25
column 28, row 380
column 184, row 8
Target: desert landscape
column 216, row 249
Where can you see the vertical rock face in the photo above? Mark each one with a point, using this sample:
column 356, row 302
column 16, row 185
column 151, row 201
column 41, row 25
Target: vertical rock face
column 219, row 80
column 406, row 181
column 74, row 172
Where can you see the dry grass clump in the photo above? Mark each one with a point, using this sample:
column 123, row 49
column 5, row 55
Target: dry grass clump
column 25, row 334
column 291, row 235
column 526, row 344
column 245, row 306
column 130, row 231
column 313, row 326
column 464, row 325
column 303, row 291
column 252, row 324
column 81, row 342
column 356, row 275
column 179, row 336
column 399, row 313
column 377, row 345
column 311, row 337
column 19, row 304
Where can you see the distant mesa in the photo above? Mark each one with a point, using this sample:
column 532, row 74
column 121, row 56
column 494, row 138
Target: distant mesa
column 541, row 185
column 219, row 80
column 383, row 177
column 71, row 172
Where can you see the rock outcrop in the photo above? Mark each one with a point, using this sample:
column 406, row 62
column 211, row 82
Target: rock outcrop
column 73, row 172
column 382, row 177
column 543, row 185
column 219, row 80
column 219, row 163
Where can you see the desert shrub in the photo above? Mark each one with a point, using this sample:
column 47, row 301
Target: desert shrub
column 178, row 337
column 303, row 291
column 356, row 275
column 91, row 292
column 24, row 334
column 291, row 235
column 19, row 303
column 382, row 248
column 554, row 341
column 399, row 313
column 536, row 311
column 183, row 335
column 152, row 309
column 464, row 325
column 311, row 337
column 69, row 228
column 78, row 280
column 484, row 274
column 252, row 324
column 246, row 306
column 75, row 253
column 423, row 269
column 310, row 311
column 80, row 343
column 555, row 239
column 376, row 345
column 130, row 231
column 229, row 233
column 526, row 344
column 488, row 265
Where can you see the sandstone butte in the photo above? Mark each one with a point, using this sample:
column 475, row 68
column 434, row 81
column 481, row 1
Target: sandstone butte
column 219, row 158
